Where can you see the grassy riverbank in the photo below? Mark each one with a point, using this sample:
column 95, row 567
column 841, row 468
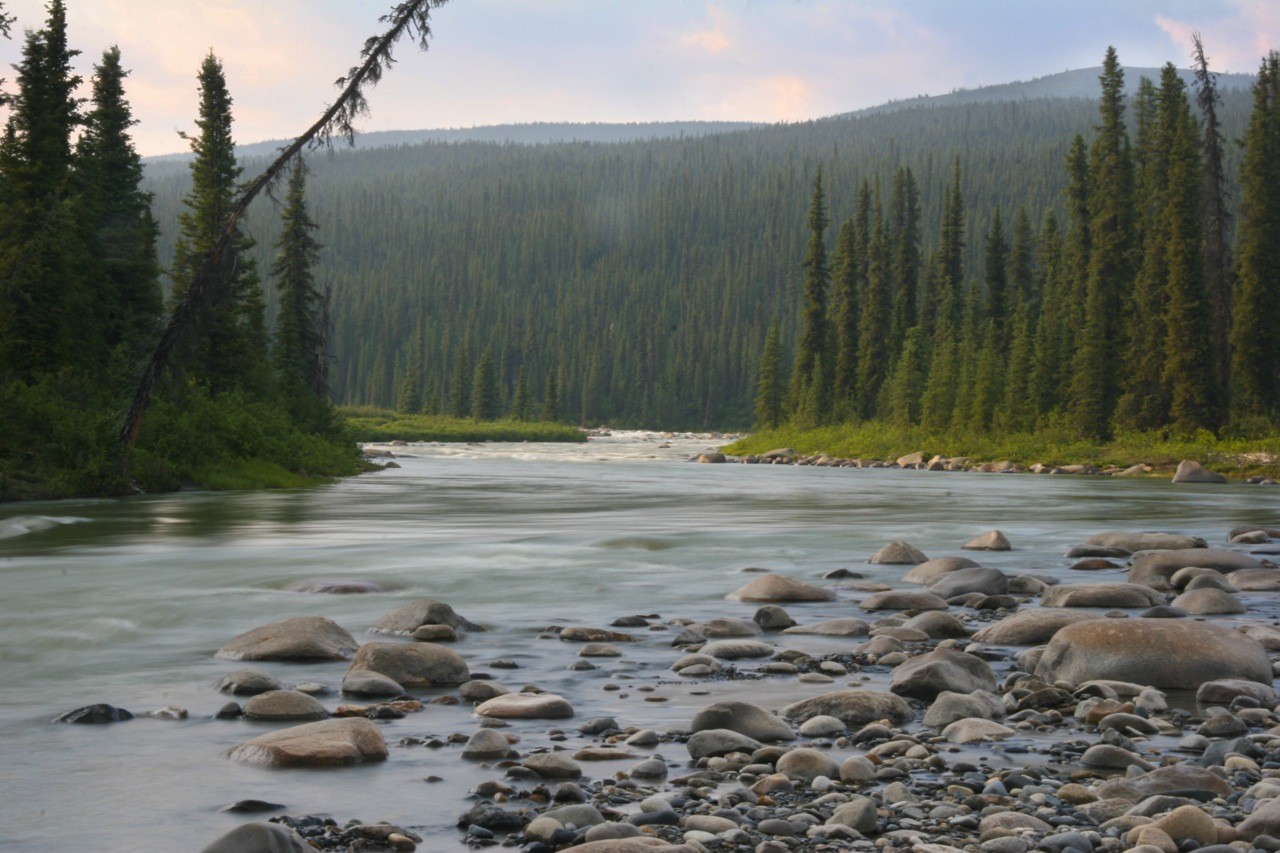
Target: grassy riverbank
column 1234, row 457
column 366, row 423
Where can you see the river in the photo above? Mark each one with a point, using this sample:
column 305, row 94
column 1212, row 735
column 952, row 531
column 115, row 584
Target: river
column 125, row 601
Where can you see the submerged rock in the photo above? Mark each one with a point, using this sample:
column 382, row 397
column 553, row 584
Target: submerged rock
column 328, row 743
column 259, row 837
column 409, row 617
column 852, row 707
column 413, row 664
column 744, row 718
column 1190, row 471
column 780, row 588
column 302, row 639
column 93, row 715
column 899, row 553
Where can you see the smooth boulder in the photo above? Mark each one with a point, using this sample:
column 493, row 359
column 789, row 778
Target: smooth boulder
column 931, row 570
column 966, row 581
column 413, row 664
column 1161, row 653
column 526, row 706
column 777, row 588
column 992, row 540
column 1134, row 542
column 744, row 718
column 847, row 626
column 898, row 553
column 259, row 837
column 903, row 599
column 1157, row 569
column 1123, row 595
column 940, row 671
column 301, row 639
column 328, row 743
column 409, row 617
column 1029, row 627
column 1191, row 471
column 278, row 706
column 852, row 707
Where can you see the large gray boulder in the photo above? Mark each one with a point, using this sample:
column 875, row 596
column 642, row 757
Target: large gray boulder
column 1101, row 595
column 711, row 742
column 1134, row 542
column 410, row 617
column 328, row 743
column 852, row 707
column 948, row 707
column 942, row 670
column 1157, row 569
column 301, row 639
column 931, row 570
column 1163, row 653
column 780, row 588
column 744, row 718
column 1190, row 471
column 259, row 837
column 965, row 581
column 903, row 599
column 413, row 664
column 1029, row 627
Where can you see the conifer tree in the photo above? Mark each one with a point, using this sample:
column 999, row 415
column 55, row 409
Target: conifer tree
column 460, row 385
column 1022, row 261
column 298, row 330
column 409, row 395
column 1053, row 328
column 769, row 388
column 1076, row 248
column 1095, row 385
column 995, row 268
column 1255, row 335
column 551, row 400
column 875, row 316
column 115, row 213
column 904, row 215
column 814, row 333
column 231, row 345
column 845, row 301
column 521, row 404
column 486, row 404
column 947, row 275
column 989, row 374
column 906, row 385
column 46, row 311
column 1017, row 412
column 1215, row 214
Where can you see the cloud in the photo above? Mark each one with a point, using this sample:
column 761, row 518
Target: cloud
column 1234, row 41
column 714, row 39
column 770, row 99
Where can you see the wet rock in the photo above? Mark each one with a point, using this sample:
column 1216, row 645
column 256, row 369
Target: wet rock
column 976, row 730
column 937, row 625
column 780, row 588
column 259, row 838
column 364, row 684
column 481, row 690
column 1189, row 823
column 526, row 706
column 1134, row 542
column 279, row 706
column 993, row 540
column 1190, row 471
column 931, row 570
column 859, row 814
column 965, row 581
column 898, row 553
column 1176, row 778
column 252, row 807
column 1265, row 820
column 925, row 676
column 1124, row 595
column 843, row 627
column 435, row 634
column 301, row 639
column 1202, row 602
column 773, row 618
column 586, row 634
column 853, row 707
column 737, row 649
column 413, row 664
column 410, row 617
column 1157, row 653
column 248, row 682
column 335, row 586
column 553, row 765
column 901, row 599
column 599, row 650
column 1156, row 570
column 805, row 765
column 1110, row 757
column 1029, row 627
column 486, row 745
column 718, row 629
column 744, row 718
column 631, row 845
column 1093, row 564
column 93, row 715
column 1255, row 580
column 822, row 726
column 1224, row 692
column 328, row 743
column 949, row 707
column 492, row 817
column 712, row 742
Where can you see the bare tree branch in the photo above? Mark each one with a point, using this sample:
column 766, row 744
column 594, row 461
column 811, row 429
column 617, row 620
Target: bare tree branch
column 409, row 17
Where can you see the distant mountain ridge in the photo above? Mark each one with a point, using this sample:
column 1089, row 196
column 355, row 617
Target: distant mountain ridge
column 1079, row 83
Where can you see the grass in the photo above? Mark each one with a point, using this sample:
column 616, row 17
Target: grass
column 1232, row 456
column 252, row 474
column 379, row 425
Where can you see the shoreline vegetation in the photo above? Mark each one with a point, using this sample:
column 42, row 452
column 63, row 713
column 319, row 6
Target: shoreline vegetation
column 370, row 424
column 1235, row 458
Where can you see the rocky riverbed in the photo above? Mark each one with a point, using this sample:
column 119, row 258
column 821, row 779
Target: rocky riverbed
column 1122, row 702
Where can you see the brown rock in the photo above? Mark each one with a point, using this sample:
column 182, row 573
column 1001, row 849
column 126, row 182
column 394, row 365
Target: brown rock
column 328, row 743
column 302, row 639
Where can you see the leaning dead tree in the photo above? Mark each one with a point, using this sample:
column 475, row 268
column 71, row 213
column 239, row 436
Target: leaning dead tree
column 407, row 18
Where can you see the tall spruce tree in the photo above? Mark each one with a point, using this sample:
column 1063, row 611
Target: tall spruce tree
column 115, row 213
column 460, row 385
column 904, row 215
column 551, row 399
column 486, row 402
column 995, row 271
column 521, row 402
column 47, row 319
column 815, row 336
column 1215, row 213
column 297, row 353
column 769, row 387
column 875, row 316
column 1255, row 335
column 230, row 343
column 1095, row 385
column 844, row 299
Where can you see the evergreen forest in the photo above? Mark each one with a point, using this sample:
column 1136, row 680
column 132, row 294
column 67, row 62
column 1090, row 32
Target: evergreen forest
column 640, row 279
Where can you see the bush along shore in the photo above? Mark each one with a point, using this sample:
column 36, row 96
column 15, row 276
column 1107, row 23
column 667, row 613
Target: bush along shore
column 959, row 707
column 372, row 425
column 874, row 445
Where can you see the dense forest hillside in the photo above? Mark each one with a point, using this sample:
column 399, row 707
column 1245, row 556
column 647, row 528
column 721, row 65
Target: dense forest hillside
column 640, row 278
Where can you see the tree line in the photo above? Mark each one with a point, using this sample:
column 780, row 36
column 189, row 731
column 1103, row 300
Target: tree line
column 1129, row 313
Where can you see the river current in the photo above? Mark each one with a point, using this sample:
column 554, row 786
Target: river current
column 126, row 601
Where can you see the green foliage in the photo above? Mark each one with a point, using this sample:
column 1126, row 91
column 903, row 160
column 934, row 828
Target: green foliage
column 486, row 405
column 367, row 423
column 299, row 352
column 769, row 388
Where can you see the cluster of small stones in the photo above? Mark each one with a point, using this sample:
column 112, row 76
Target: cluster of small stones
column 1187, row 471
column 1020, row 714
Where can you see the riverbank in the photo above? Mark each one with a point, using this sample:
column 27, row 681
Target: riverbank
column 372, row 425
column 1235, row 458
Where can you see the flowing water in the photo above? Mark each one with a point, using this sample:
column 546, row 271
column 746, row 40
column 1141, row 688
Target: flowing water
column 125, row 602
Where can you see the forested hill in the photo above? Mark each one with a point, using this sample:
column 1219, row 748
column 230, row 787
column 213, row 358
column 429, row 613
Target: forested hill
column 643, row 275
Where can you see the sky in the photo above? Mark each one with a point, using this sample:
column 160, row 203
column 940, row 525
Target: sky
column 517, row 61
